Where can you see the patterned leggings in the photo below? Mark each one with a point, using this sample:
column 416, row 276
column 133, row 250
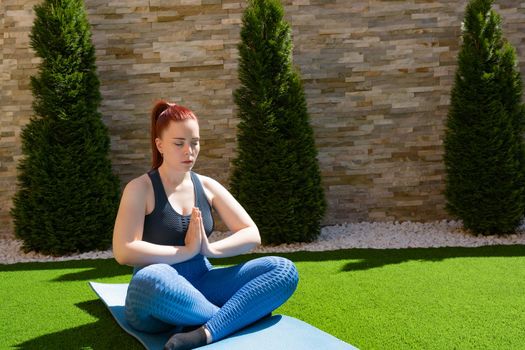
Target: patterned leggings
column 193, row 293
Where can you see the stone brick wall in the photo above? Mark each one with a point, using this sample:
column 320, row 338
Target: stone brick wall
column 377, row 77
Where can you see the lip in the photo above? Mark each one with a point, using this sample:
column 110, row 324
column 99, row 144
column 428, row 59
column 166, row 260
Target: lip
column 188, row 161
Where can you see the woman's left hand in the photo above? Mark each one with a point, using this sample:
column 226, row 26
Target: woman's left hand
column 206, row 247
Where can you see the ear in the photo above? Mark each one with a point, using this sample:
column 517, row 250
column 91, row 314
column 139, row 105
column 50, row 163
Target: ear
column 158, row 143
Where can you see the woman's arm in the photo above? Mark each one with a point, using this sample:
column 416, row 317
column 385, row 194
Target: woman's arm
column 245, row 235
column 128, row 246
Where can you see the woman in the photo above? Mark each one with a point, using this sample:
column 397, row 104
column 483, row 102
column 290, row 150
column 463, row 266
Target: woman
column 162, row 229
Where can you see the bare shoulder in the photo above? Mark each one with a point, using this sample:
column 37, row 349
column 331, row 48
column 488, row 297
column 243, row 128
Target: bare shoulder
column 139, row 184
column 206, row 180
column 210, row 183
column 138, row 188
column 212, row 187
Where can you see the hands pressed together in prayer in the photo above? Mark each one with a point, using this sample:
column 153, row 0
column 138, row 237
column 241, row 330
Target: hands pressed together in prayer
column 196, row 240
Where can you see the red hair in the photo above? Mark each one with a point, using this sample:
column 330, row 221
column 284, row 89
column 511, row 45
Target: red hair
column 161, row 115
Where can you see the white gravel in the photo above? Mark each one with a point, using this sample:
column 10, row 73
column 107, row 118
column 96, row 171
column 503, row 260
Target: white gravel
column 379, row 235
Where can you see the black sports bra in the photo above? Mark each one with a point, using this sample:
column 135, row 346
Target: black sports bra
column 164, row 225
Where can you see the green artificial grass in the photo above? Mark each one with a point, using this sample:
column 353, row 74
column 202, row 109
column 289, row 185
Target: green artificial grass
column 439, row 298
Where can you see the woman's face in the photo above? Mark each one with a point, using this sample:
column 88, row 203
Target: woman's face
column 179, row 144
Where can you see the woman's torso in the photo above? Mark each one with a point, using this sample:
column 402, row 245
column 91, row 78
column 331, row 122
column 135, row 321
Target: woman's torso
column 166, row 226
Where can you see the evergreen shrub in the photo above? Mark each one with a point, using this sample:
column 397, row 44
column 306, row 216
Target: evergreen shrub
column 67, row 194
column 484, row 150
column 276, row 176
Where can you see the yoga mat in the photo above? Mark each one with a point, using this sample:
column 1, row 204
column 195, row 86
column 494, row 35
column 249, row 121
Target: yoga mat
column 276, row 332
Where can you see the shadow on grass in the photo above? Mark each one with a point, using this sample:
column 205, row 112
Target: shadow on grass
column 91, row 269
column 365, row 259
column 360, row 259
column 379, row 258
column 100, row 335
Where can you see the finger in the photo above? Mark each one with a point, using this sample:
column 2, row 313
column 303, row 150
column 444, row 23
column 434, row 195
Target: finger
column 201, row 225
column 194, row 214
column 192, row 223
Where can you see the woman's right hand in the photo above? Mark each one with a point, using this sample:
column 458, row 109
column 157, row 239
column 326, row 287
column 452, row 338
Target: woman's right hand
column 193, row 239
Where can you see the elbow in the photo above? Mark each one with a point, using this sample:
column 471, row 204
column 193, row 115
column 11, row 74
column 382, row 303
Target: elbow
column 120, row 256
column 256, row 237
column 121, row 260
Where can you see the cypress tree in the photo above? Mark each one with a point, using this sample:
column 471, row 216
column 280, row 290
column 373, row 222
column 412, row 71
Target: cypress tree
column 484, row 151
column 67, row 194
column 275, row 175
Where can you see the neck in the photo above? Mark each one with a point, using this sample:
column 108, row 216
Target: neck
column 171, row 178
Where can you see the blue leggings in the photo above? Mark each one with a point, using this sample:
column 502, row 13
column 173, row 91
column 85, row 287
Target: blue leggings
column 194, row 293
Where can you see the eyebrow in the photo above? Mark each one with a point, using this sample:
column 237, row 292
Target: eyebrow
column 182, row 138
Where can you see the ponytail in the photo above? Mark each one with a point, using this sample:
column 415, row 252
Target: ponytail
column 160, row 106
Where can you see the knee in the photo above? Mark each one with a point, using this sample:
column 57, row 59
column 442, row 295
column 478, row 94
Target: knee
column 285, row 272
column 154, row 271
column 151, row 275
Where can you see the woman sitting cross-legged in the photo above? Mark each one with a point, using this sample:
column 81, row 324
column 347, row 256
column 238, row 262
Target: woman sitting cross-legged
column 162, row 229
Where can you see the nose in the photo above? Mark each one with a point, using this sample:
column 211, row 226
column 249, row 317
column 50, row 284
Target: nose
column 187, row 149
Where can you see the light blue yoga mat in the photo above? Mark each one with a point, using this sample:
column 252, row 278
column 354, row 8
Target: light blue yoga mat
column 275, row 333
